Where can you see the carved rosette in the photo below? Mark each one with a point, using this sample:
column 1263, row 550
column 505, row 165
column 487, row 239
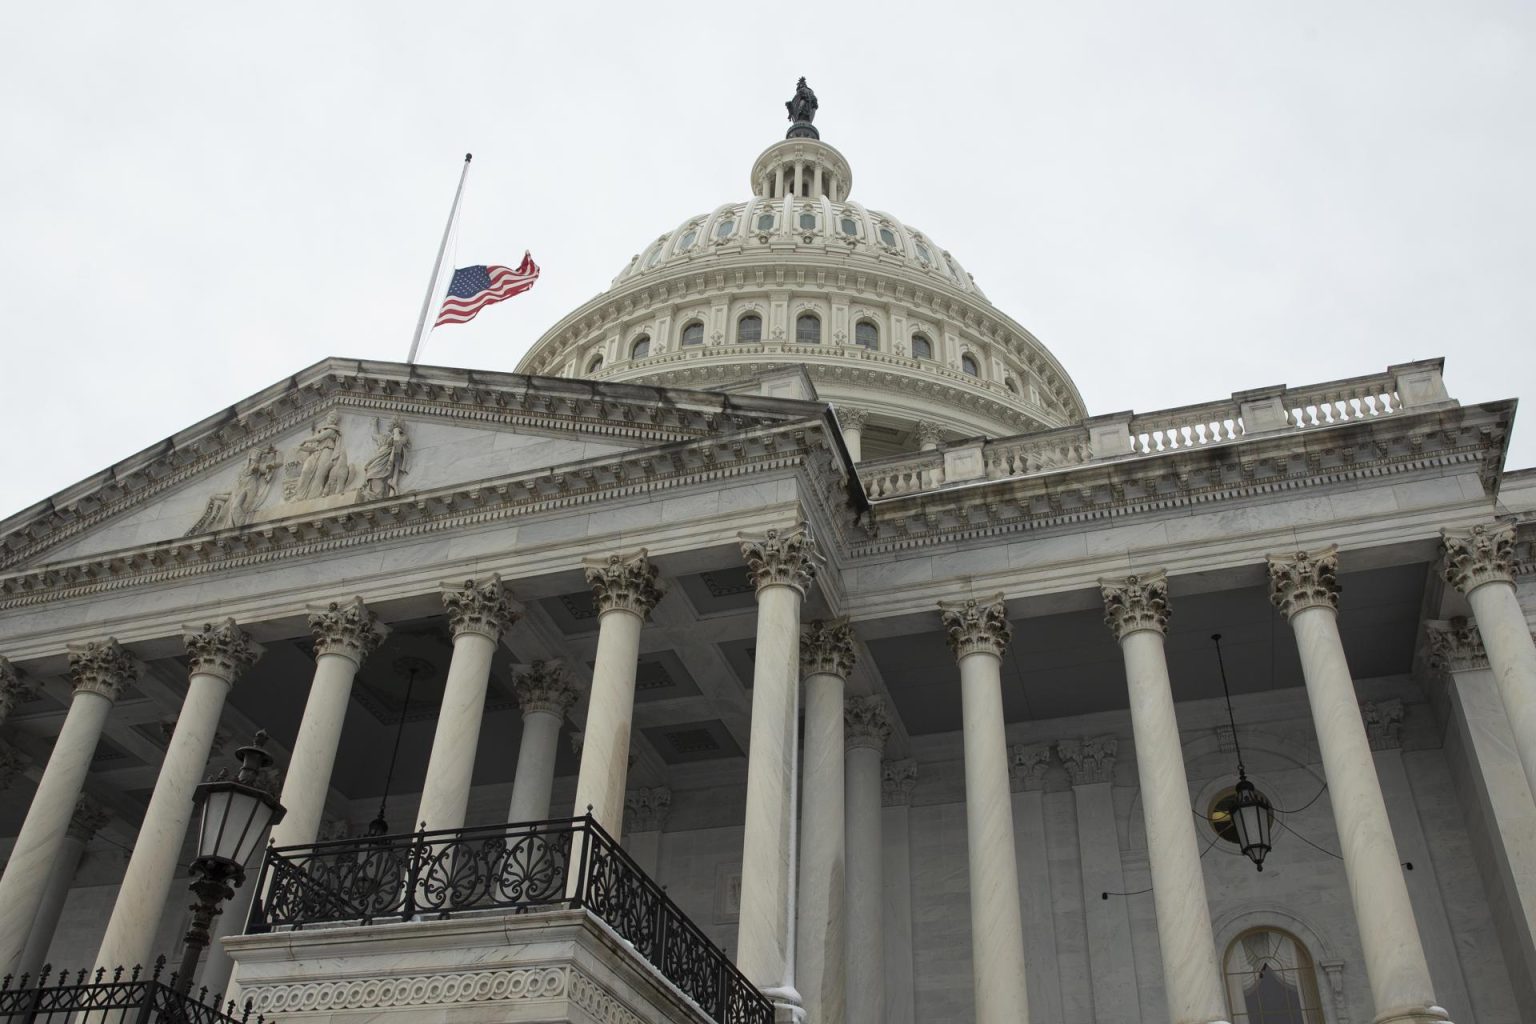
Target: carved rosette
column 482, row 607
column 12, row 690
column 1136, row 603
column 1027, row 765
column 976, row 626
column 782, row 558
column 1304, row 580
column 346, row 628
column 545, row 686
column 1484, row 554
column 625, row 583
column 89, row 818
column 1383, row 723
column 646, row 810
column 101, row 667
column 826, row 648
column 223, row 650
column 1456, row 645
column 852, row 419
column 865, row 723
column 1090, row 760
column 897, row 779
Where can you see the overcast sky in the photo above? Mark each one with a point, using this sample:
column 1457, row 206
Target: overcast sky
column 1180, row 199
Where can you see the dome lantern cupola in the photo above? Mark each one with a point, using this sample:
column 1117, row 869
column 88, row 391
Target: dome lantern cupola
column 802, row 165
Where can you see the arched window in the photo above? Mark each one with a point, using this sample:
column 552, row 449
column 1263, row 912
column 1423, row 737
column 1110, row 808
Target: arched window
column 850, row 227
column 969, row 366
column 808, row 329
column 686, row 242
column 654, row 258
column 726, row 227
column 887, row 236
column 693, row 334
column 641, row 347
column 595, row 365
column 749, row 328
column 922, row 348
column 1271, row 980
column 765, row 222
column 923, row 253
column 866, row 335
column 807, row 221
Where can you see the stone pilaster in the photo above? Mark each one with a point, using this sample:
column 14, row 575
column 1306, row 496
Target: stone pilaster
column 346, row 628
column 897, row 780
column 1455, row 645
column 1089, row 761
column 1383, row 723
column 1028, row 764
column 646, row 810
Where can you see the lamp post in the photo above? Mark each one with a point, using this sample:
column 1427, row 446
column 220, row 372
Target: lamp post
column 236, row 815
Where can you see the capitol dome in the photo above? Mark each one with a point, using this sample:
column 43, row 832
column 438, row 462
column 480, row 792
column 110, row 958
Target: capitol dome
column 890, row 327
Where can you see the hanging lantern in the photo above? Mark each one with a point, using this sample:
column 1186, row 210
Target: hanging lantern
column 1254, row 819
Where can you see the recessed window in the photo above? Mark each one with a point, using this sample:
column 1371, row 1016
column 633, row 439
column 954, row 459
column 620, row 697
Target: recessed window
column 641, row 348
column 850, row 227
column 808, row 329
column 654, row 258
column 765, row 222
column 749, row 328
column 1271, row 979
column 923, row 253
column 726, row 227
column 689, row 237
column 887, row 236
column 807, row 222
column 866, row 335
column 595, row 365
column 969, row 366
column 922, row 348
column 693, row 334
column 949, row 265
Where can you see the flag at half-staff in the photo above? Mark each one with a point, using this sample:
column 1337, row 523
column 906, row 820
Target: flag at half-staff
column 474, row 288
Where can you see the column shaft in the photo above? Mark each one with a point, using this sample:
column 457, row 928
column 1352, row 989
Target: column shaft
column 610, row 714
column 1394, row 955
column 819, row 937
column 535, row 766
column 451, row 767
column 765, row 934
column 1191, row 973
column 866, row 888
column 997, row 929
column 314, row 751
column 1512, row 657
column 51, row 906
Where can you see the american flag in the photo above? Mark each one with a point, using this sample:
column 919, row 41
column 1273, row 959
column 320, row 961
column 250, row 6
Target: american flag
column 474, row 288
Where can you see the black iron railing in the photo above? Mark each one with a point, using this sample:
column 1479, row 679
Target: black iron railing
column 566, row 862
column 123, row 998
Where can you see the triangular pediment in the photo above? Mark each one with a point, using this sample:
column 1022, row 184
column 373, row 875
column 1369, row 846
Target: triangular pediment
column 344, row 434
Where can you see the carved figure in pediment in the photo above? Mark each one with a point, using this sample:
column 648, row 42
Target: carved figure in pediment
column 382, row 473
column 321, row 468
column 253, row 484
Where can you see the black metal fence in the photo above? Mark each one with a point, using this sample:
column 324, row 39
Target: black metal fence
column 565, row 862
column 116, row 1000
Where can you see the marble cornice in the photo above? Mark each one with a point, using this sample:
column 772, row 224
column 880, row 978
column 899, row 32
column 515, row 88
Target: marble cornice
column 619, row 410
column 802, row 445
column 1258, row 467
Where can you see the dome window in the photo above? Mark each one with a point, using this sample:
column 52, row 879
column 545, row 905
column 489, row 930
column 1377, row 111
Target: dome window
column 807, row 222
column 808, row 329
column 641, row 348
column 1011, row 385
column 850, row 227
column 922, row 348
column 686, row 243
column 866, row 335
column 654, row 258
column 726, row 228
column 887, row 236
column 749, row 328
column 595, row 365
column 693, row 334
column 923, row 253
column 969, row 366
column 765, row 222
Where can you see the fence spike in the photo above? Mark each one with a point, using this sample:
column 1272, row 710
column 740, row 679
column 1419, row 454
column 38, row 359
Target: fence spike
column 159, row 966
column 202, row 994
column 117, row 974
column 6, row 982
column 137, row 970
column 64, row 977
column 101, row 972
column 80, row 975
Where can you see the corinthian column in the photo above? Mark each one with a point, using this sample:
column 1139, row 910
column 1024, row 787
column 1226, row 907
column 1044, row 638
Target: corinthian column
column 826, row 658
column 478, row 613
column 217, row 655
column 99, row 671
column 545, row 694
column 852, row 423
column 625, row 589
column 12, row 690
column 867, row 727
column 782, row 565
column 979, row 635
column 345, row 634
column 1480, row 564
column 1136, row 611
column 88, row 818
column 1305, row 588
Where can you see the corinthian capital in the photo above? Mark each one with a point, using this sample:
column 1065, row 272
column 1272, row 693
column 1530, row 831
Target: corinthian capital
column 646, row 810
column 976, row 626
column 1136, row 603
column 12, row 690
column 223, row 650
column 852, row 419
column 1089, row 761
column 346, row 628
column 1028, row 764
column 88, row 819
column 897, row 779
column 787, row 558
column 1301, row 581
column 544, row 686
column 483, row 607
column 1483, row 554
column 1383, row 723
column 102, row 667
column 865, row 723
column 12, row 764
column 626, row 583
column 1455, row 645
column 826, row 648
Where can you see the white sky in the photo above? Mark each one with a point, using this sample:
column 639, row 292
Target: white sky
column 1181, row 199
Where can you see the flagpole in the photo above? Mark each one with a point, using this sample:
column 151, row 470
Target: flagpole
column 437, row 267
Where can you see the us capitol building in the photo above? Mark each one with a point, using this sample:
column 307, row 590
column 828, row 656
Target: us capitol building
column 786, row 641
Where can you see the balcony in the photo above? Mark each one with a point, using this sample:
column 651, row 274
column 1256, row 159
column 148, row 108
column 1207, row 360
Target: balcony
column 124, row 997
column 543, row 921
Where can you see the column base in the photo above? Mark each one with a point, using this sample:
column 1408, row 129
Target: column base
column 1414, row 1015
column 787, row 1008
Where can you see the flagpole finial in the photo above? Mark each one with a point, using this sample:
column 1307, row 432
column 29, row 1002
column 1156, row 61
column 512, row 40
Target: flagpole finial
column 468, row 157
